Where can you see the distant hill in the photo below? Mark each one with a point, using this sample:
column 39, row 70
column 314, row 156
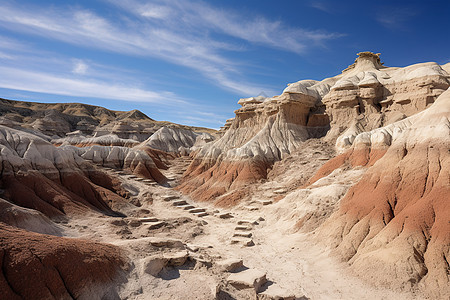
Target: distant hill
column 59, row 119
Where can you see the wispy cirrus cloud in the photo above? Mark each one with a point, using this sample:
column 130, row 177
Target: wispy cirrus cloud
column 79, row 67
column 395, row 18
column 40, row 82
column 191, row 34
column 198, row 16
column 320, row 5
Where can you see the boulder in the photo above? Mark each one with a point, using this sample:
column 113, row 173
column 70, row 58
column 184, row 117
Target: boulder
column 250, row 278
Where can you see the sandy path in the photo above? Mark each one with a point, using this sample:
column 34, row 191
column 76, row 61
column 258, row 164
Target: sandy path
column 291, row 260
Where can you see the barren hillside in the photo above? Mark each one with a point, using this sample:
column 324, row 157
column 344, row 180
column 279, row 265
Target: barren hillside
column 335, row 189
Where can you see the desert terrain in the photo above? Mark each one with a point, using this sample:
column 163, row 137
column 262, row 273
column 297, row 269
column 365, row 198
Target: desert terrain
column 334, row 189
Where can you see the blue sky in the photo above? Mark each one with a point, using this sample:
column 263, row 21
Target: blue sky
column 190, row 61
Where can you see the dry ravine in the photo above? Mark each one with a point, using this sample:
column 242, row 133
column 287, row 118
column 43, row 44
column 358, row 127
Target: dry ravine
column 335, row 189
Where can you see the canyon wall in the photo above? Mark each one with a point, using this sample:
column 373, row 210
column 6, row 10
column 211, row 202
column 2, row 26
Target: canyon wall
column 366, row 96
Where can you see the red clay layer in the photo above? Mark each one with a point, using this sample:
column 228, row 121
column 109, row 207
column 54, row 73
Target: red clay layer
column 400, row 204
column 205, row 181
column 37, row 266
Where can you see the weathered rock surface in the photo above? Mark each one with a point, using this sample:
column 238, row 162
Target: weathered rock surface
column 365, row 96
column 393, row 226
column 57, row 120
column 369, row 95
column 136, row 160
column 27, row 219
column 381, row 204
column 250, row 278
column 36, row 266
column 176, row 140
column 230, row 264
column 54, row 181
column 80, row 140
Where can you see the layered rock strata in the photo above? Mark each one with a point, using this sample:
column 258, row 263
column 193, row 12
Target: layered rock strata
column 261, row 133
column 54, row 181
column 176, row 140
column 393, row 225
column 365, row 96
column 57, row 120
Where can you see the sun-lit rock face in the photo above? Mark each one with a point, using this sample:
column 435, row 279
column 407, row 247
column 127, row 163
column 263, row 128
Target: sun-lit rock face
column 55, row 181
column 262, row 132
column 393, row 226
column 369, row 95
column 59, row 120
column 365, row 96
column 80, row 140
column 138, row 161
column 176, row 140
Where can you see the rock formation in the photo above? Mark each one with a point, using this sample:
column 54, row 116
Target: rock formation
column 54, row 181
column 80, row 140
column 36, row 266
column 57, row 120
column 176, row 140
column 28, row 219
column 138, row 161
column 365, row 96
column 393, row 225
column 354, row 167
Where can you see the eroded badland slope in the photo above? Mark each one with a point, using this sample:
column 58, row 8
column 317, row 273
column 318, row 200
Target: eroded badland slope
column 335, row 189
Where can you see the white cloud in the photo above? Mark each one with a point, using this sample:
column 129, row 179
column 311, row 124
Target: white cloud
column 33, row 81
column 178, row 32
column 5, row 56
column 79, row 67
column 154, row 11
column 200, row 16
column 320, row 5
column 395, row 17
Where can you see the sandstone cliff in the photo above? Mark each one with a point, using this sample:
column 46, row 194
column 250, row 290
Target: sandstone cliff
column 393, row 225
column 365, row 96
column 35, row 174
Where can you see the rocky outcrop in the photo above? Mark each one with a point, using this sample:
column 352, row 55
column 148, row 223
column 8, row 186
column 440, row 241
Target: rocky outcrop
column 175, row 140
column 261, row 133
column 36, row 266
column 365, row 96
column 54, row 181
column 80, row 140
column 127, row 130
column 28, row 219
column 393, row 225
column 139, row 161
column 226, row 126
column 368, row 95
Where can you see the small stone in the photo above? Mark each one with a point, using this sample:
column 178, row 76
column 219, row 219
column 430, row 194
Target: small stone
column 154, row 265
column 230, row 264
column 275, row 292
column 156, row 225
column 118, row 222
column 225, row 215
column 243, row 234
column 134, row 223
column 166, row 242
column 250, row 278
column 177, row 259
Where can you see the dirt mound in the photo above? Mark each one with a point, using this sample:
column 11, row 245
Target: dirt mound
column 36, row 266
column 27, row 219
column 393, row 225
